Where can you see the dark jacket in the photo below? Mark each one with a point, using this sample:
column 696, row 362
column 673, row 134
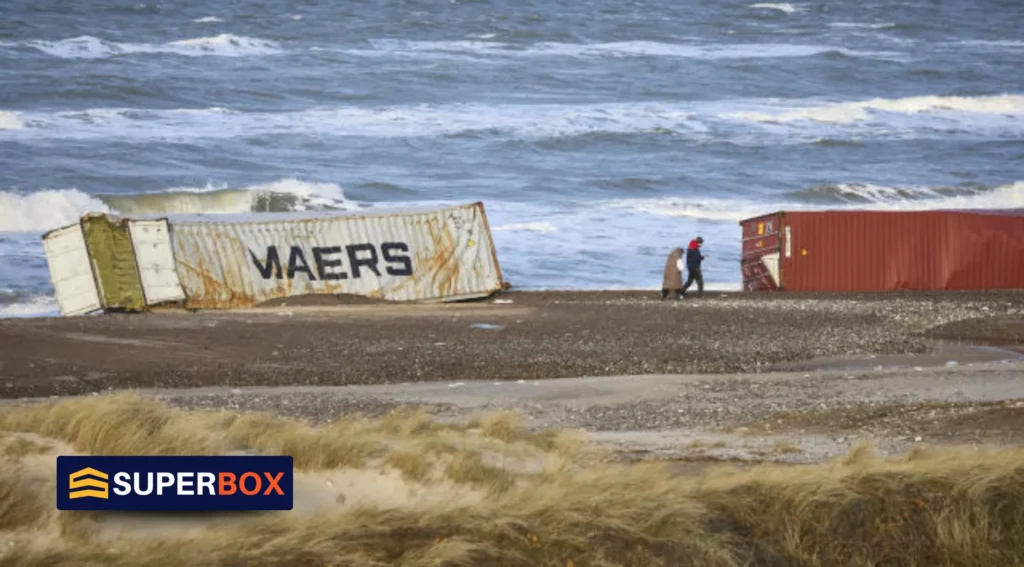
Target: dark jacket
column 693, row 256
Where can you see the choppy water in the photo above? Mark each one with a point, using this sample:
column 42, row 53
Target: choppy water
column 598, row 133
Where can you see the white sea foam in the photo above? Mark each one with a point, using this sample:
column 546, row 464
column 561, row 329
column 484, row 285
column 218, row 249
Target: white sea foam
column 89, row 47
column 10, row 121
column 744, row 122
column 786, row 7
column 542, row 227
column 719, row 210
column 462, row 49
column 1013, row 43
column 847, row 112
column 208, row 20
column 864, row 25
column 526, row 120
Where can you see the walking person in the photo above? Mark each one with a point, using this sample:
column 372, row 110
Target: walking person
column 694, row 257
column 672, row 281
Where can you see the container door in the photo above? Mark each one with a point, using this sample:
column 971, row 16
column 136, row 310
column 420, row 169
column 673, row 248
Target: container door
column 761, row 253
column 113, row 259
column 71, row 271
column 152, row 243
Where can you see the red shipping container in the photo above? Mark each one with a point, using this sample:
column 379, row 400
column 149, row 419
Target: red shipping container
column 884, row 250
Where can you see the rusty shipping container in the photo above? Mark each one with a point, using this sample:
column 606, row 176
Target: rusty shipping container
column 436, row 254
column 865, row 251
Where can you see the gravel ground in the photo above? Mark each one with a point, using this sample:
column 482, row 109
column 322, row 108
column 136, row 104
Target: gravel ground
column 526, row 336
column 789, row 416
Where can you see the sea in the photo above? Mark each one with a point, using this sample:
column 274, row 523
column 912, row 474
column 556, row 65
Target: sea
column 599, row 134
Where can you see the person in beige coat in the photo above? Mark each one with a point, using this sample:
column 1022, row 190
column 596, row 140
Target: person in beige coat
column 673, row 278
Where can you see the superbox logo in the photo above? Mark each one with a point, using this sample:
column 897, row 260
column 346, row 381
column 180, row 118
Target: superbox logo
column 174, row 483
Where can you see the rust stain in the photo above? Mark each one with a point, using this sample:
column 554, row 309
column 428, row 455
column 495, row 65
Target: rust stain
column 444, row 273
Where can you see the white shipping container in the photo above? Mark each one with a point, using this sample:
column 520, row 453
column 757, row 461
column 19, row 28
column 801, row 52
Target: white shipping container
column 437, row 254
column 71, row 271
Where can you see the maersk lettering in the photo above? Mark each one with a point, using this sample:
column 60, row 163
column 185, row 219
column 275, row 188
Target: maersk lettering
column 401, row 259
column 320, row 253
column 329, row 263
column 355, row 261
column 294, row 265
column 273, row 265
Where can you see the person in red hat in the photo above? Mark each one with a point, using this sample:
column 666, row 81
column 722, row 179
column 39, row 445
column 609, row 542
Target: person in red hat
column 694, row 257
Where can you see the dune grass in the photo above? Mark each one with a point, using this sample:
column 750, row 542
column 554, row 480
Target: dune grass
column 543, row 499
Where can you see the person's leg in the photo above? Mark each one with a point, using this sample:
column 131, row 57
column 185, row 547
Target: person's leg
column 700, row 283
column 686, row 286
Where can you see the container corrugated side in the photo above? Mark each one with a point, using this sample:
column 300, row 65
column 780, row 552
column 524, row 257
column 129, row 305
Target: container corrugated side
column 903, row 250
column 441, row 254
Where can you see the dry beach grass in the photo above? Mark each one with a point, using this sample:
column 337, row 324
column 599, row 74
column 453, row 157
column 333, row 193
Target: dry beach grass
column 405, row 490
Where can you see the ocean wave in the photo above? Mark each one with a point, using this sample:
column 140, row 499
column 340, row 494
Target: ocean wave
column 1014, row 43
column 10, row 121
column 745, row 122
column 45, row 210
column 208, row 20
column 719, row 210
column 89, row 47
column 864, row 25
column 34, row 306
column 48, row 209
column 528, row 121
column 870, row 193
column 786, row 7
column 635, row 48
column 837, row 196
column 848, row 112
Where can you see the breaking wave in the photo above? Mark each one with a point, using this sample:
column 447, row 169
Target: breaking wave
column 837, row 196
column 49, row 209
column 33, row 306
column 89, row 47
column 45, row 210
column 869, row 193
column 847, row 112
